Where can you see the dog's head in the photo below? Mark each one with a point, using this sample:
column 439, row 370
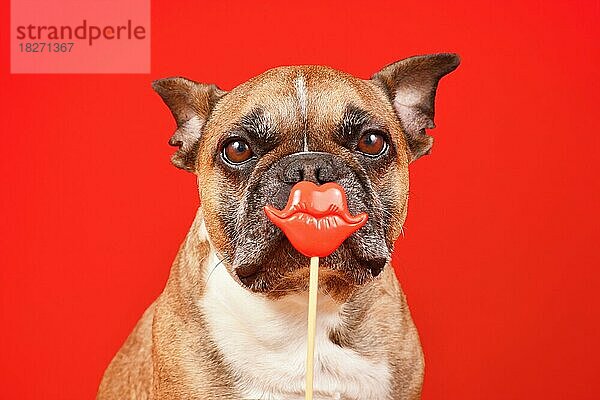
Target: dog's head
column 249, row 146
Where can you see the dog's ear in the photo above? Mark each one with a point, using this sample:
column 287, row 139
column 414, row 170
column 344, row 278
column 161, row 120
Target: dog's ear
column 191, row 104
column 411, row 85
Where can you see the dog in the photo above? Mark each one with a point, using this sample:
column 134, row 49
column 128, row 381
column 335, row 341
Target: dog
column 231, row 321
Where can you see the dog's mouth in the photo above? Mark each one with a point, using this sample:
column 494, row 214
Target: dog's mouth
column 335, row 281
column 315, row 222
column 280, row 269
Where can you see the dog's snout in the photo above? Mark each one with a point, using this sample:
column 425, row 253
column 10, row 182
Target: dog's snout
column 314, row 167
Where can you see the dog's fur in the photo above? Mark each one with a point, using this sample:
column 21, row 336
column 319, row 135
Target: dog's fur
column 231, row 321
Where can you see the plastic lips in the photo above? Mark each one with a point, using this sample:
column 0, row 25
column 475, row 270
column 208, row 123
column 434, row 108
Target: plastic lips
column 316, row 219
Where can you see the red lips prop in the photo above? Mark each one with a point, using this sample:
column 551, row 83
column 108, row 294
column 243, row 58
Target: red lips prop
column 316, row 219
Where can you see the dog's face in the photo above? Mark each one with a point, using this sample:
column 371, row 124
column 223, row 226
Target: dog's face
column 251, row 145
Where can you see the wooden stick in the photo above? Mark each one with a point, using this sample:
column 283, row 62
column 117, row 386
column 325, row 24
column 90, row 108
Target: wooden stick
column 312, row 326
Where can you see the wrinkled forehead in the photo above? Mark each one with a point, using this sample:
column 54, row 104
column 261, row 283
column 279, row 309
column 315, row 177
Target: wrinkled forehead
column 313, row 98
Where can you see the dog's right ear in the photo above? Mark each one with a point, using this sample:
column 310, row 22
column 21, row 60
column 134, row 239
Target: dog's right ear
column 191, row 104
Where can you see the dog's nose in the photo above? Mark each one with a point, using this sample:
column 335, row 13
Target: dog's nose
column 316, row 167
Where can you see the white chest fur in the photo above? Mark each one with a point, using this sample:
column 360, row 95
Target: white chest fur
column 264, row 342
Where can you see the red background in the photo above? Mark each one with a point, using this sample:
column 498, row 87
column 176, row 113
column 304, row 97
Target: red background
column 499, row 261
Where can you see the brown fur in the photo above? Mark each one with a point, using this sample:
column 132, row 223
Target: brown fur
column 170, row 354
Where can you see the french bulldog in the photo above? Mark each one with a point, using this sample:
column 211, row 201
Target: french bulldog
column 231, row 322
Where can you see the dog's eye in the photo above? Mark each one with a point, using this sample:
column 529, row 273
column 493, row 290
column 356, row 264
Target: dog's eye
column 372, row 143
column 237, row 151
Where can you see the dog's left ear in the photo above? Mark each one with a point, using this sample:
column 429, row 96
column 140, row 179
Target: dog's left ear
column 411, row 85
column 191, row 104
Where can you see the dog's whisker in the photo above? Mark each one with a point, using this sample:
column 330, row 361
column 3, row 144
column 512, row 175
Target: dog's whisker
column 213, row 270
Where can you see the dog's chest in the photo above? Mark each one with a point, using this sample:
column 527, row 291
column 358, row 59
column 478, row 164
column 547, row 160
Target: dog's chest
column 264, row 343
